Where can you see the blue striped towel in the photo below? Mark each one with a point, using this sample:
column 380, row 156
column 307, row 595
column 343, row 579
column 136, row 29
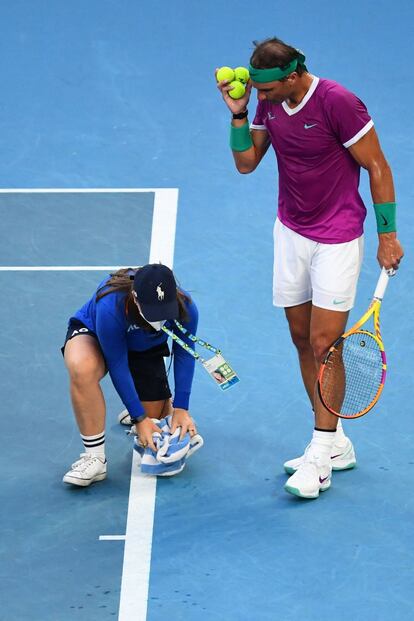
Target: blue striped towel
column 172, row 452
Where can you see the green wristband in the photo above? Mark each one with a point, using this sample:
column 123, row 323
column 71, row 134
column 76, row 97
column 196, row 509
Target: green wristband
column 385, row 214
column 240, row 138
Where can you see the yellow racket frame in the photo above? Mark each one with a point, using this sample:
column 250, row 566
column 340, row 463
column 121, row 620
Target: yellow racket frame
column 373, row 310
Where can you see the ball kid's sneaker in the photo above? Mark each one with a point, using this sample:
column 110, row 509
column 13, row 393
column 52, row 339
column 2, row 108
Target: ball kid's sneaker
column 87, row 470
column 124, row 418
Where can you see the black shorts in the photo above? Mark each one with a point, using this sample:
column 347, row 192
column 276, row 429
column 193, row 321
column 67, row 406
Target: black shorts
column 147, row 367
column 149, row 373
column 75, row 328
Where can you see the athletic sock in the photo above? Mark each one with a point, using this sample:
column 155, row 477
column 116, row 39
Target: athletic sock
column 94, row 445
column 340, row 436
column 321, row 445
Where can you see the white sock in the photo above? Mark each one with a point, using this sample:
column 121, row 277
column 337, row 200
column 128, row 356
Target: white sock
column 321, row 445
column 94, row 445
column 340, row 436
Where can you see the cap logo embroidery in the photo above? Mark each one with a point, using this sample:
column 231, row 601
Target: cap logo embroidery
column 160, row 292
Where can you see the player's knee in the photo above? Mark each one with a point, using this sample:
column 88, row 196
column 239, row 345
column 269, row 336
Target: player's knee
column 300, row 341
column 85, row 371
column 320, row 345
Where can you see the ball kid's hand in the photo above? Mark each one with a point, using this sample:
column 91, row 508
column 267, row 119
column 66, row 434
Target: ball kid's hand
column 181, row 418
column 144, row 430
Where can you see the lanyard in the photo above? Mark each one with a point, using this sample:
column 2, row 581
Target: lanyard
column 193, row 338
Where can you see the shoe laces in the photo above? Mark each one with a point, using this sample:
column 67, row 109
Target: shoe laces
column 308, row 467
column 312, row 463
column 84, row 462
column 309, row 457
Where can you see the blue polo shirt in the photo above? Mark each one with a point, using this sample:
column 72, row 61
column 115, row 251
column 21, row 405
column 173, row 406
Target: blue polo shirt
column 117, row 335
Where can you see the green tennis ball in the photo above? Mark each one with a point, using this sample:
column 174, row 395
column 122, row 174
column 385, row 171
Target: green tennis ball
column 242, row 74
column 237, row 89
column 225, row 73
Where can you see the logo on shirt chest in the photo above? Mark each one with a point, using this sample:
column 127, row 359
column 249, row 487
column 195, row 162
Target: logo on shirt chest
column 270, row 116
column 309, row 125
column 133, row 327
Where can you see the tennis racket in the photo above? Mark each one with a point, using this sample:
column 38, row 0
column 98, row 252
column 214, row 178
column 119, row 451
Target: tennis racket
column 352, row 376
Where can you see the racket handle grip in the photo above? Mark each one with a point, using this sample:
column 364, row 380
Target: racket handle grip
column 383, row 282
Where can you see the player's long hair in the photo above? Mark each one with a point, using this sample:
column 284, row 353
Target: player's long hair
column 274, row 53
column 122, row 281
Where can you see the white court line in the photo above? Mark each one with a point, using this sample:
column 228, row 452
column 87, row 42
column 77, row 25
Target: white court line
column 60, row 268
column 138, row 542
column 141, row 504
column 84, row 190
column 162, row 236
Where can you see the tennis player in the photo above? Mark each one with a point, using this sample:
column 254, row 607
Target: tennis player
column 322, row 135
column 118, row 331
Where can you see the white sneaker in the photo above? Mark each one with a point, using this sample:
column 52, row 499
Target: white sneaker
column 309, row 479
column 342, row 458
column 124, row 418
column 87, row 470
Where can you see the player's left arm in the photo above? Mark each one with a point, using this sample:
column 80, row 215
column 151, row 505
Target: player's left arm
column 367, row 152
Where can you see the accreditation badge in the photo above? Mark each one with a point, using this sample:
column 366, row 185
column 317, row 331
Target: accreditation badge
column 221, row 372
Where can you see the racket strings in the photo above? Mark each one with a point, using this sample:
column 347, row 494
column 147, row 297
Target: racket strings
column 352, row 375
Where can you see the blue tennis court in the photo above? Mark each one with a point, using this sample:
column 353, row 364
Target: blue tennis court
column 115, row 153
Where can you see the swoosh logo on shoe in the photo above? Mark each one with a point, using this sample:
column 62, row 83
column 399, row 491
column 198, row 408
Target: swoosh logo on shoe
column 306, row 126
column 335, row 456
column 322, row 480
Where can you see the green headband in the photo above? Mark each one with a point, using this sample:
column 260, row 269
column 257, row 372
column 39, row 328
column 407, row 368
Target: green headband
column 275, row 73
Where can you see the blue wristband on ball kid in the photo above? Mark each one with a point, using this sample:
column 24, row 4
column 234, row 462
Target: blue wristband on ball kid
column 240, row 138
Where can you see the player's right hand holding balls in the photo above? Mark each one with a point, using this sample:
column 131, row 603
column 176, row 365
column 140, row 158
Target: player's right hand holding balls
column 235, row 87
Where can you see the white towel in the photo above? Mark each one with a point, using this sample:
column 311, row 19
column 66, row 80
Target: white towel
column 172, row 453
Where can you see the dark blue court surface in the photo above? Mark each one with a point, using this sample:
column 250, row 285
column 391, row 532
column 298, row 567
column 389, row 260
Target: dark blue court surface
column 76, row 228
column 122, row 95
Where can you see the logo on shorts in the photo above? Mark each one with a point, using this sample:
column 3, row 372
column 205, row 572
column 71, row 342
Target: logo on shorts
column 80, row 331
column 160, row 292
column 336, row 302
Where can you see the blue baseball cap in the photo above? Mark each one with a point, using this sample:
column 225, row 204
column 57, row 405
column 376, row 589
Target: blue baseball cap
column 156, row 292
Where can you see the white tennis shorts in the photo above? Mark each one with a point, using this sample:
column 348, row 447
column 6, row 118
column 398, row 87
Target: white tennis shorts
column 306, row 270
